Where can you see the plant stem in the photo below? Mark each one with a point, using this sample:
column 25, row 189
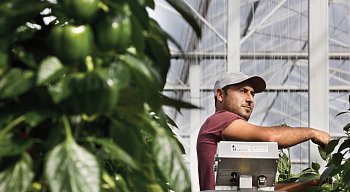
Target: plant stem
column 10, row 126
column 89, row 64
column 67, row 127
column 290, row 165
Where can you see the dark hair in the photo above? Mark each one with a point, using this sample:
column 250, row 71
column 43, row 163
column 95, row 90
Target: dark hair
column 225, row 92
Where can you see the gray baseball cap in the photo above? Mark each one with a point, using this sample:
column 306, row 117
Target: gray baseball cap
column 258, row 83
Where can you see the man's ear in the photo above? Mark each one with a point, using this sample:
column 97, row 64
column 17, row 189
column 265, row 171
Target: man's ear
column 219, row 94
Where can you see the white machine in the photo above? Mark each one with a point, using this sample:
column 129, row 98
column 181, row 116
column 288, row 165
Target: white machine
column 246, row 166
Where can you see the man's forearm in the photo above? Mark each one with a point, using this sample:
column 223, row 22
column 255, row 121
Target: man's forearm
column 285, row 136
column 288, row 136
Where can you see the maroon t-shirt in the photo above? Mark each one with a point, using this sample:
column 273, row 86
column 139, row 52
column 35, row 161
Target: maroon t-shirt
column 209, row 135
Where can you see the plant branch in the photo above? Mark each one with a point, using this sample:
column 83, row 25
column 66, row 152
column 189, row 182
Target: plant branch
column 67, row 127
column 11, row 125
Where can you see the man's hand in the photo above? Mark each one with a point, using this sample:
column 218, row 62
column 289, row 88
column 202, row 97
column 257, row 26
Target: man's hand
column 320, row 138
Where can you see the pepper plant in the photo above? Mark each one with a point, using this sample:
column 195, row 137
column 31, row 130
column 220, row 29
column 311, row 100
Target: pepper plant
column 336, row 176
column 284, row 169
column 80, row 97
column 338, row 161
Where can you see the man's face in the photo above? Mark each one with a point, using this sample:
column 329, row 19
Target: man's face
column 239, row 99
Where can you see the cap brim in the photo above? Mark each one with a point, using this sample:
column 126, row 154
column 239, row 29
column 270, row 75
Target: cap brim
column 258, row 83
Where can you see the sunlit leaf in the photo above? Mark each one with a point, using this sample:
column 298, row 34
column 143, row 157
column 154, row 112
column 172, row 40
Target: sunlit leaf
column 170, row 161
column 70, row 167
column 17, row 177
column 49, row 70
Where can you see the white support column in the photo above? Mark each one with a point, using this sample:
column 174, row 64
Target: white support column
column 233, row 35
column 194, row 84
column 318, row 72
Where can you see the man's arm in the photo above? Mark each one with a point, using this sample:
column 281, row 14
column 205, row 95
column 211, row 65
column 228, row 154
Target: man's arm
column 285, row 136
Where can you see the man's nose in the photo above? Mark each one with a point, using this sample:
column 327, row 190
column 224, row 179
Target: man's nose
column 249, row 99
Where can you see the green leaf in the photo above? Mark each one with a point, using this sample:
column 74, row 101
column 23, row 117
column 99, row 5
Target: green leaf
column 336, row 159
column 346, row 178
column 308, row 177
column 145, row 78
column 49, row 70
column 70, row 167
column 187, row 14
column 138, row 38
column 344, row 145
column 17, row 177
column 322, row 152
column 115, row 184
column 327, row 172
column 59, row 91
column 3, row 62
column 315, row 166
column 15, row 83
column 33, row 118
column 158, row 50
column 284, row 167
column 128, row 137
column 331, row 145
column 116, row 152
column 169, row 159
column 141, row 70
column 140, row 13
column 16, row 12
column 341, row 113
column 170, row 120
column 347, row 128
column 148, row 3
column 178, row 104
column 10, row 146
column 24, row 56
column 119, row 74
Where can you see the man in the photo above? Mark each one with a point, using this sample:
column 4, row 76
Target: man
column 234, row 103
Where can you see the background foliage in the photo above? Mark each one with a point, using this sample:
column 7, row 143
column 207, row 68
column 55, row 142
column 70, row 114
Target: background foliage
column 80, row 97
column 337, row 155
column 335, row 177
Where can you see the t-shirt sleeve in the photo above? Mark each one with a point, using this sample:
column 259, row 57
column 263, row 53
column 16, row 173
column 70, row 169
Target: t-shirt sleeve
column 219, row 121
